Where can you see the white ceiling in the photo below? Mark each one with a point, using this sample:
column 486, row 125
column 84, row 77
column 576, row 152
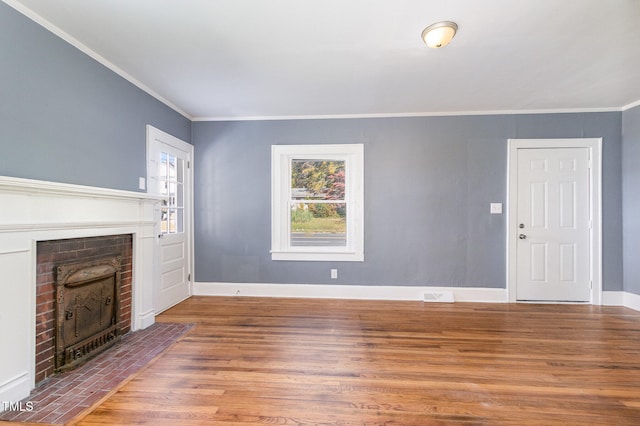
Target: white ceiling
column 232, row 59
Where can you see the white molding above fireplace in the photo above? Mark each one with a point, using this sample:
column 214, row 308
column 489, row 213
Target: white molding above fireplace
column 32, row 211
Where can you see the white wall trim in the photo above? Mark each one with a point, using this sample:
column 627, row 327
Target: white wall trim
column 146, row 319
column 621, row 298
column 407, row 114
column 20, row 384
column 71, row 225
column 631, row 105
column 359, row 292
column 632, row 301
column 613, row 298
column 323, row 291
column 32, row 186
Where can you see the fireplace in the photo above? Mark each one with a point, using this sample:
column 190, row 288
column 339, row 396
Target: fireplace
column 49, row 224
column 81, row 282
column 87, row 306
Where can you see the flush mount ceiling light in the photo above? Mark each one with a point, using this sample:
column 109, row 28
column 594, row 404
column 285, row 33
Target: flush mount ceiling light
column 439, row 34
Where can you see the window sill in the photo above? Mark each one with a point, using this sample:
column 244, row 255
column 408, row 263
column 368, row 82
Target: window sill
column 318, row 256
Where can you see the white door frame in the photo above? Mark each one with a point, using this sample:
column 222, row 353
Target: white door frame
column 154, row 134
column 595, row 155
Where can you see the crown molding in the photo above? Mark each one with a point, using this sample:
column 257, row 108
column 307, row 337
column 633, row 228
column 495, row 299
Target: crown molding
column 631, row 105
column 405, row 115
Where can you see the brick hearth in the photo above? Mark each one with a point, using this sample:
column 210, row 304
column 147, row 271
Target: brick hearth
column 67, row 395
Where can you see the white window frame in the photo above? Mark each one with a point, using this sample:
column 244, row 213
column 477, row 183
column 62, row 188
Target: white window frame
column 281, row 156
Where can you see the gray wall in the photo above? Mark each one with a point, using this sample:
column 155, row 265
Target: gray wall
column 428, row 181
column 428, row 185
column 631, row 198
column 66, row 118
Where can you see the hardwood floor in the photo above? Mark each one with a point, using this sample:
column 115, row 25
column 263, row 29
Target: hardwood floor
column 339, row 362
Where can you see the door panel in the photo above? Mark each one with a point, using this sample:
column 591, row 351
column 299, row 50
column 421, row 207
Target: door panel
column 553, row 216
column 169, row 176
column 539, row 262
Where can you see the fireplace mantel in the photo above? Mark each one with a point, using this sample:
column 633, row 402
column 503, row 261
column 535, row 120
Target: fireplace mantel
column 32, row 211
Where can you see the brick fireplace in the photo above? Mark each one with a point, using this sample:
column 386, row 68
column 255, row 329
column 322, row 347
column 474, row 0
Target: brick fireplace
column 52, row 254
column 52, row 223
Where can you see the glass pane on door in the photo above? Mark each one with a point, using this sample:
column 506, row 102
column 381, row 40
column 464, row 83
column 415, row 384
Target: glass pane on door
column 171, row 179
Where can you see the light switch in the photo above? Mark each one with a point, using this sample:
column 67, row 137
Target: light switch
column 496, row 208
column 142, row 183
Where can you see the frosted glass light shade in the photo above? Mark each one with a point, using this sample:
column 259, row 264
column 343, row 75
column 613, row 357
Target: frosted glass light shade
column 439, row 34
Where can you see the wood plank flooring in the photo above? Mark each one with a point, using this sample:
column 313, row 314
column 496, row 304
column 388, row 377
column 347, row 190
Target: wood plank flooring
column 339, row 362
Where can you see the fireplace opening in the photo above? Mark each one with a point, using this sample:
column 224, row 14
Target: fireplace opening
column 87, row 310
column 75, row 252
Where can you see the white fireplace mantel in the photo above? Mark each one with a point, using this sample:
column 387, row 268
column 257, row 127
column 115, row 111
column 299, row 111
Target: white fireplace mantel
column 32, row 211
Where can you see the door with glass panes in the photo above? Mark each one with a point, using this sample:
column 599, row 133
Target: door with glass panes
column 169, row 174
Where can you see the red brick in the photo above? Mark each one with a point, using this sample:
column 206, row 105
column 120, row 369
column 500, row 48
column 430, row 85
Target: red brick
column 44, row 356
column 98, row 242
column 44, row 299
column 46, row 247
column 71, row 245
column 50, row 254
column 44, row 329
column 44, row 279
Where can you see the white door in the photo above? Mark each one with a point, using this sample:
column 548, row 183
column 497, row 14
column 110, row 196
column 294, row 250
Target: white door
column 553, row 225
column 169, row 175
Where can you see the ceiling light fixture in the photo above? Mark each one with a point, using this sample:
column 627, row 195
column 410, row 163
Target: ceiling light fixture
column 439, row 34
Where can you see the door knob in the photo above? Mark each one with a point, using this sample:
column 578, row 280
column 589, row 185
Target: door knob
column 522, row 236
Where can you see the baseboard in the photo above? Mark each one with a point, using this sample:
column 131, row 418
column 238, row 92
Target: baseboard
column 632, row 301
column 323, row 291
column 145, row 319
column 613, row 298
column 621, row 298
column 15, row 389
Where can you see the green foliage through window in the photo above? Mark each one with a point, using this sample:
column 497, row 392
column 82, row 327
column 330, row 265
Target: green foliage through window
column 318, row 208
column 318, row 179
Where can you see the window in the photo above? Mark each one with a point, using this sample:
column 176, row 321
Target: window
column 317, row 202
column 171, row 185
column 169, row 176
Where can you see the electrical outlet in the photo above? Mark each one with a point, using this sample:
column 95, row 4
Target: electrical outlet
column 334, row 274
column 496, row 208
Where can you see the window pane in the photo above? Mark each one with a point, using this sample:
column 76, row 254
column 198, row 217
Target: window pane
column 180, row 195
column 180, row 170
column 172, row 194
column 162, row 167
column 163, row 174
column 172, row 166
column 180, row 228
column 317, row 180
column 172, row 221
column 318, row 224
column 164, row 221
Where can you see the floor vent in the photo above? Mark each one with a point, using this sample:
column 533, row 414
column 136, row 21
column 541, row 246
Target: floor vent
column 439, row 296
